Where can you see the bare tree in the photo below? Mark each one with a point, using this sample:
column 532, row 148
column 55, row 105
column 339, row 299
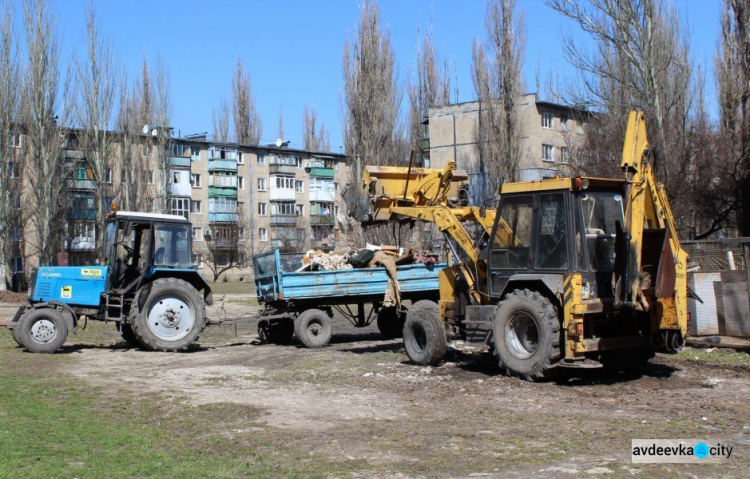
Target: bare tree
column 314, row 138
column 163, row 118
column 497, row 80
column 44, row 160
column 247, row 124
column 733, row 74
column 225, row 247
column 641, row 61
column 221, row 122
column 136, row 115
column 11, row 162
column 97, row 89
column 373, row 134
column 429, row 87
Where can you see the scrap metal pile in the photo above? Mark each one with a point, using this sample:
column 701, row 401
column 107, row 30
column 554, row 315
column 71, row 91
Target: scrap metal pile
column 388, row 257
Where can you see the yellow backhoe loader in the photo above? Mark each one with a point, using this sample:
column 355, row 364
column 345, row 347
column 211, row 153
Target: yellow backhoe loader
column 565, row 269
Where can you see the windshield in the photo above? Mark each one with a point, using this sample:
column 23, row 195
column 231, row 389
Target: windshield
column 600, row 211
column 110, row 234
column 172, row 246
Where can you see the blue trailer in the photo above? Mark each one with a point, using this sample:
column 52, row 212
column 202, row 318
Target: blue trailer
column 303, row 303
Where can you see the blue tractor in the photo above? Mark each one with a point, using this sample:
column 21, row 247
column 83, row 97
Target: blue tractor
column 146, row 285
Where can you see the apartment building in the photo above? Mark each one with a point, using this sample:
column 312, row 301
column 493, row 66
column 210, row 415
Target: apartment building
column 551, row 138
column 241, row 199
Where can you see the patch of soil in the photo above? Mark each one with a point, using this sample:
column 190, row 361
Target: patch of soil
column 11, row 297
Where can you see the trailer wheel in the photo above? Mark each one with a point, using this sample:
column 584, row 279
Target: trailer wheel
column 170, row 318
column 42, row 330
column 391, row 323
column 527, row 335
column 126, row 331
column 313, row 328
column 424, row 334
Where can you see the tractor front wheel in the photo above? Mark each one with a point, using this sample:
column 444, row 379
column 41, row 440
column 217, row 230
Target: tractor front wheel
column 424, row 334
column 41, row 330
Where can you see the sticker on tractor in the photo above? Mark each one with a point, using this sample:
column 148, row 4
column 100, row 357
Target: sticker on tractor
column 66, row 292
column 91, row 273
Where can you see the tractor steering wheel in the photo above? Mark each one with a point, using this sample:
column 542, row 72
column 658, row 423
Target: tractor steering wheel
column 129, row 251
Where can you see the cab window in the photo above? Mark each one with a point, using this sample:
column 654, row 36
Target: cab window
column 600, row 211
column 552, row 245
column 512, row 241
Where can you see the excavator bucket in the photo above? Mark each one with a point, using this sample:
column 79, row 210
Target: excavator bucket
column 384, row 187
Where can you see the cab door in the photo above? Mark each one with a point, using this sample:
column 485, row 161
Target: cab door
column 511, row 247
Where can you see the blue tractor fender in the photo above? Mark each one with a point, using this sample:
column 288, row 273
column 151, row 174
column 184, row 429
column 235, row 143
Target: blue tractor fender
column 68, row 312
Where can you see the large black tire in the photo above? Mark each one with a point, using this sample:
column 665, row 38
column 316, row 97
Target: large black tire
column 126, row 331
column 424, row 334
column 170, row 317
column 42, row 330
column 526, row 335
column 279, row 331
column 313, row 328
column 391, row 322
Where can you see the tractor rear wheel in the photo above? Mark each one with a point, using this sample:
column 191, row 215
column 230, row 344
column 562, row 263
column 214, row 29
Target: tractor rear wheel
column 126, row 331
column 42, row 330
column 313, row 328
column 170, row 317
column 526, row 335
column 424, row 334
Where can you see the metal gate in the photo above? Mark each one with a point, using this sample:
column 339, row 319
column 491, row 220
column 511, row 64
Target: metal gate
column 719, row 274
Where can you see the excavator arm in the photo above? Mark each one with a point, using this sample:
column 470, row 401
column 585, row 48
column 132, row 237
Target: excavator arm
column 650, row 271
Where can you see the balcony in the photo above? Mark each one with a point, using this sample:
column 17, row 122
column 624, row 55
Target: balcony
column 282, row 169
column 284, row 220
column 222, row 165
column 81, row 214
column 322, row 172
column 322, row 220
column 223, row 181
column 82, row 185
column 222, row 217
column 179, row 161
column 216, row 191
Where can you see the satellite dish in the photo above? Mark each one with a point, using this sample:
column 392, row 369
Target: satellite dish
column 154, row 132
column 145, row 129
column 278, row 142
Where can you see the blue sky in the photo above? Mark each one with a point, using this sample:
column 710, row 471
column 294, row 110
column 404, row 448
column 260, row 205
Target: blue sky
column 293, row 48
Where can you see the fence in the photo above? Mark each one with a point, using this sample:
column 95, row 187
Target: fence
column 719, row 274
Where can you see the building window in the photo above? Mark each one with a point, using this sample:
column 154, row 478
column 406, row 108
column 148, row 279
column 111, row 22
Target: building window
column 240, row 207
column 261, row 159
column 12, row 172
column 195, row 180
column 240, row 159
column 176, row 178
column 16, row 140
column 108, row 176
column 241, row 234
column 222, row 205
column 262, row 234
column 195, row 206
column 299, row 186
column 299, row 210
column 548, row 152
column 286, row 182
column 240, row 182
column 283, row 208
column 195, row 153
column 222, row 259
column 564, row 122
column 151, row 177
column 261, row 184
column 181, row 207
column 198, row 260
column 547, row 119
column 261, row 209
column 564, row 155
column 197, row 233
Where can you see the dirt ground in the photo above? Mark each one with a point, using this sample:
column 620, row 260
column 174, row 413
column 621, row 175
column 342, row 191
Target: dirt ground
column 361, row 404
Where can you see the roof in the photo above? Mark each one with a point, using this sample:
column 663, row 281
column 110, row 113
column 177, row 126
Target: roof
column 137, row 215
column 558, row 184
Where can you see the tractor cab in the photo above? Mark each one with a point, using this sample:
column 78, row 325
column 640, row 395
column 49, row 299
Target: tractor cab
column 557, row 227
column 138, row 246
